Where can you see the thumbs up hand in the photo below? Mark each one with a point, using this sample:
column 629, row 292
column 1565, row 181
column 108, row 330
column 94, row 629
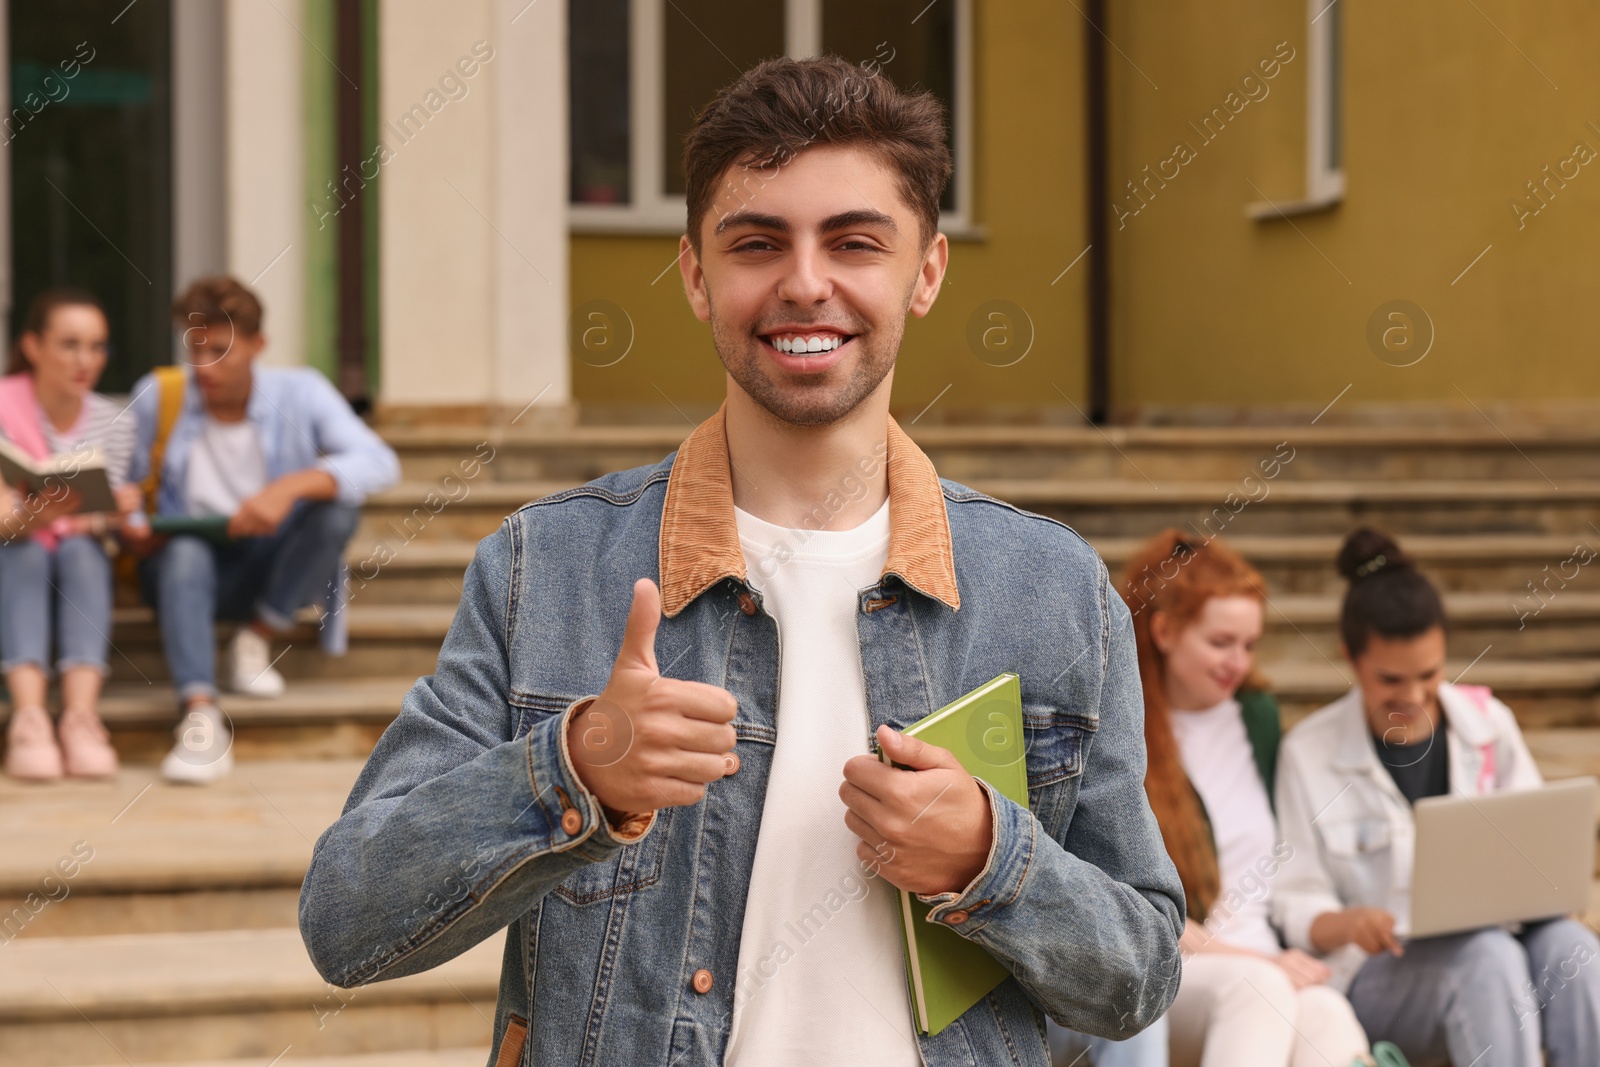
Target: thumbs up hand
column 648, row 741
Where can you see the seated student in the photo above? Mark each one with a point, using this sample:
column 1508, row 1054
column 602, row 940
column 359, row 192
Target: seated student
column 279, row 453
column 1347, row 778
column 1211, row 732
column 51, row 558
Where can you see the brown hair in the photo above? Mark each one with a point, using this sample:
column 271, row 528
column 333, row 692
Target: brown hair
column 1176, row 574
column 216, row 300
column 37, row 320
column 780, row 107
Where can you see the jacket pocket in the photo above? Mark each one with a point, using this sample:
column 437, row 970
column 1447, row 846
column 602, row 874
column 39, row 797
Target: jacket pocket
column 1055, row 743
column 1359, row 858
column 633, row 869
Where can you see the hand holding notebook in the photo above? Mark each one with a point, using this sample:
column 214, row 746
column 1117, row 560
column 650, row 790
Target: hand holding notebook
column 981, row 733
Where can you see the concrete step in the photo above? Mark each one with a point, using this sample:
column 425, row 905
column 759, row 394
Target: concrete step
column 316, row 718
column 1567, row 624
column 1513, row 564
column 225, row 994
column 1544, row 694
column 407, row 513
column 232, row 856
column 138, row 855
column 385, row 639
column 429, row 572
column 449, row 1057
column 579, row 453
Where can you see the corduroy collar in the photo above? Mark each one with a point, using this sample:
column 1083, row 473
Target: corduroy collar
column 700, row 536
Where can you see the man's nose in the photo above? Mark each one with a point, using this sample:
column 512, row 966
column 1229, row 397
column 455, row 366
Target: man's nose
column 805, row 281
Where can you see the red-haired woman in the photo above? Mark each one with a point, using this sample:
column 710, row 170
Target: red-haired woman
column 1211, row 730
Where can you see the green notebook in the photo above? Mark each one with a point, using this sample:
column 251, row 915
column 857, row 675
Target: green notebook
column 946, row 973
column 210, row 527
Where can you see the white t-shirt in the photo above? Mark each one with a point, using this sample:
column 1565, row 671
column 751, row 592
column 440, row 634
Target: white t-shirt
column 1217, row 757
column 226, row 467
column 821, row 971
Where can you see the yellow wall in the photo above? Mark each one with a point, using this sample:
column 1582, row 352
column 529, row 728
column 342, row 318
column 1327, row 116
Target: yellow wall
column 1445, row 122
column 1027, row 144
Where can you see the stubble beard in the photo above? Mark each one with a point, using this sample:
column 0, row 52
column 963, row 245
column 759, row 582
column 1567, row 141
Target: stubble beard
column 819, row 402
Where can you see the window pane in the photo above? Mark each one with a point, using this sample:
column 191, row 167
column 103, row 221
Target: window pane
column 597, row 64
column 913, row 42
column 708, row 43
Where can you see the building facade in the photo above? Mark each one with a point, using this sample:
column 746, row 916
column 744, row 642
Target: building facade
column 458, row 208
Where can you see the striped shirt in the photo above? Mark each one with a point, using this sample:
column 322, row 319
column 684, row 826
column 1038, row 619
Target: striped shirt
column 101, row 424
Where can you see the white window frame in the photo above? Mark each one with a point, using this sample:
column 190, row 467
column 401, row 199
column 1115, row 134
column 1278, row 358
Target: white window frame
column 1324, row 181
column 650, row 211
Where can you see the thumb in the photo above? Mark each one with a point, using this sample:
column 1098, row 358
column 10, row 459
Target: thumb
column 913, row 752
column 639, row 636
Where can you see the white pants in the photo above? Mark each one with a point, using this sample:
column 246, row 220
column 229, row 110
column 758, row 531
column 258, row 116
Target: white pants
column 1242, row 1011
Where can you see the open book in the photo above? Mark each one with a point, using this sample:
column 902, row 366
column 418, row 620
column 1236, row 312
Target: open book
column 947, row 973
column 81, row 470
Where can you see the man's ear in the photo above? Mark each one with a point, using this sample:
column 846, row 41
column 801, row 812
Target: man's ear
column 1161, row 631
column 253, row 344
column 694, row 280
column 930, row 275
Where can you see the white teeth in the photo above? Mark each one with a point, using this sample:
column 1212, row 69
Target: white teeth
column 806, row 345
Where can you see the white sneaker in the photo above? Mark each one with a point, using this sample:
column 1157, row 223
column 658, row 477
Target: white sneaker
column 204, row 752
column 250, row 669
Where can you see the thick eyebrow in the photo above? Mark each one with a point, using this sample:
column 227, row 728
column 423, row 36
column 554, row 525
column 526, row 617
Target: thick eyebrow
column 778, row 224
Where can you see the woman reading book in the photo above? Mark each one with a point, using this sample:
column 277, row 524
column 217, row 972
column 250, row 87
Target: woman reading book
column 55, row 577
column 1211, row 732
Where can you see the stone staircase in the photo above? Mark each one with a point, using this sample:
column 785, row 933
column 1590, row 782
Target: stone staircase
column 174, row 940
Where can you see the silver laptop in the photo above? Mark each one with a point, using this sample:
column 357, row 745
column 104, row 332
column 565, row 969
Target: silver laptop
column 1506, row 857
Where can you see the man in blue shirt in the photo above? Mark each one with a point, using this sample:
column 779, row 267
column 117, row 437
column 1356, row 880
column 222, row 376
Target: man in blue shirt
column 279, row 459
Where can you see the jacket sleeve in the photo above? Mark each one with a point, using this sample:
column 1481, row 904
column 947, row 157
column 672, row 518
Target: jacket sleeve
column 457, row 825
column 1518, row 769
column 1304, row 889
column 361, row 462
column 1087, row 921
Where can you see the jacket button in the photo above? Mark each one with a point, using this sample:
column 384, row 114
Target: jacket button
column 571, row 821
column 702, row 981
column 730, row 764
column 747, row 603
column 956, row 918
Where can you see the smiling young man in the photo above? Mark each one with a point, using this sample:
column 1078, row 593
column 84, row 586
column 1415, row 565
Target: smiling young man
column 647, row 746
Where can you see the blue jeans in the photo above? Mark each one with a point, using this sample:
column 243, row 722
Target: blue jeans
column 75, row 580
column 193, row 582
column 1147, row 1048
column 1488, row 998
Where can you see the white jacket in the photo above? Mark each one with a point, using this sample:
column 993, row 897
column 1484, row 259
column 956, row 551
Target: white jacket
column 1351, row 829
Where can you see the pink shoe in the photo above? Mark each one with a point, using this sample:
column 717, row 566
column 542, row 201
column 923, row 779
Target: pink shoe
column 31, row 751
column 85, row 744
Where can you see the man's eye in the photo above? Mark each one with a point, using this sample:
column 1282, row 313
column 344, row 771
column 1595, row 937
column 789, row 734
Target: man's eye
column 865, row 246
column 756, row 246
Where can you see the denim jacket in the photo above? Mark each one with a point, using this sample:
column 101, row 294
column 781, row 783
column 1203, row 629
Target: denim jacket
column 469, row 816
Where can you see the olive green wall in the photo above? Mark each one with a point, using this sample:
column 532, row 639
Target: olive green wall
column 1449, row 111
column 1028, row 198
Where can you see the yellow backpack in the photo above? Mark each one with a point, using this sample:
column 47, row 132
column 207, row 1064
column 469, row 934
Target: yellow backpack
column 170, row 384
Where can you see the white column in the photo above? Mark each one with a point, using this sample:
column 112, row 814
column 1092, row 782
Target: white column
column 531, row 200
column 266, row 202
column 199, row 141
column 473, row 220
column 437, row 193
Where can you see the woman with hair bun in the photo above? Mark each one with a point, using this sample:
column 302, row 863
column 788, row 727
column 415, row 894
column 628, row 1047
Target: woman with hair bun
column 1347, row 778
column 1211, row 733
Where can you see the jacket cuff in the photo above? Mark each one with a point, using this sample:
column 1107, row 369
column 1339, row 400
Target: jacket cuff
column 629, row 827
column 1011, row 845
